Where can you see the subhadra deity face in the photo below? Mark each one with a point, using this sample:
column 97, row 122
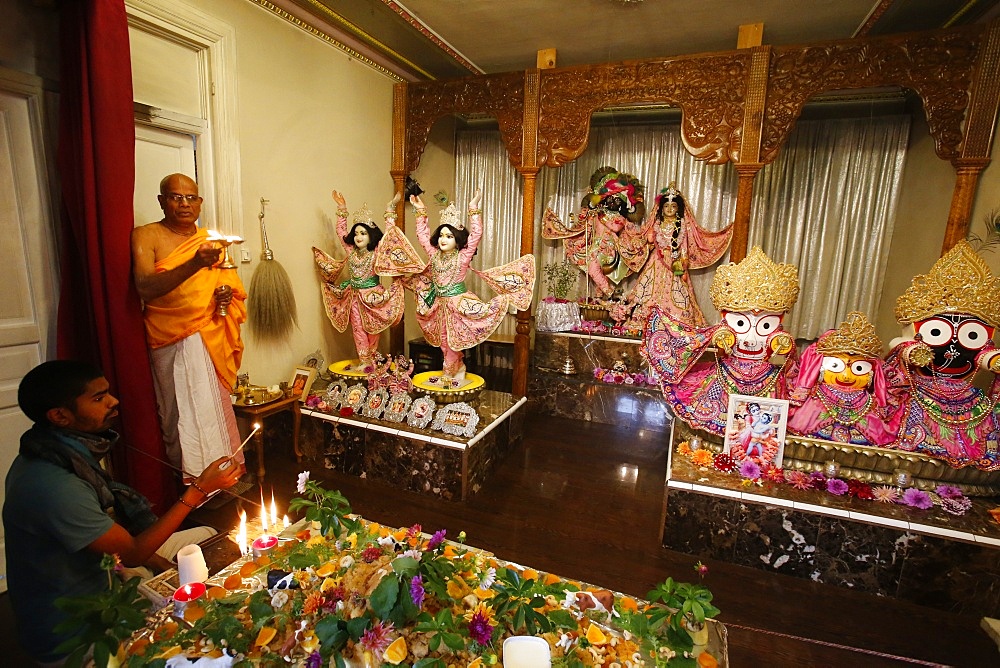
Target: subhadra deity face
column 847, row 372
column 955, row 339
column 361, row 238
column 754, row 331
column 446, row 240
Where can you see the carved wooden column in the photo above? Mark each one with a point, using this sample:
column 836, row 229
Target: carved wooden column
column 744, row 200
column 968, row 170
column 397, row 333
column 528, row 169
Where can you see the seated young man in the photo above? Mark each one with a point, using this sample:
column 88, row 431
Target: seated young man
column 62, row 512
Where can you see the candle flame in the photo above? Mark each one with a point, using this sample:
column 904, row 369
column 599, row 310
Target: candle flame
column 241, row 536
column 274, row 511
column 263, row 513
column 286, row 522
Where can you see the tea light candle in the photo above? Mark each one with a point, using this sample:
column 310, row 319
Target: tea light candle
column 903, row 478
column 526, row 652
column 264, row 544
column 695, row 443
column 187, row 593
column 831, row 469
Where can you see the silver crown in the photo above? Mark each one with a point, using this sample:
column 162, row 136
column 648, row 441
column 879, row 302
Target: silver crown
column 451, row 216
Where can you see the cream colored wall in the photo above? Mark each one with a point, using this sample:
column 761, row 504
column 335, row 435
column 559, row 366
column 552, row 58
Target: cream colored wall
column 435, row 172
column 988, row 200
column 311, row 120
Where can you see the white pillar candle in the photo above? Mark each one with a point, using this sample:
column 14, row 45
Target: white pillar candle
column 526, row 652
column 191, row 565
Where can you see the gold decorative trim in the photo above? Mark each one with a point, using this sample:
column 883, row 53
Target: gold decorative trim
column 315, row 32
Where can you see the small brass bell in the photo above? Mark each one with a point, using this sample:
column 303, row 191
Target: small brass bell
column 568, row 367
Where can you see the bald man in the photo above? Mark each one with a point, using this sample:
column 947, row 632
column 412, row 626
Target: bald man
column 195, row 350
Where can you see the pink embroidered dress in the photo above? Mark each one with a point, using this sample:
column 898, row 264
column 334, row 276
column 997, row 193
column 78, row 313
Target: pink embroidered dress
column 677, row 246
column 361, row 300
column 450, row 316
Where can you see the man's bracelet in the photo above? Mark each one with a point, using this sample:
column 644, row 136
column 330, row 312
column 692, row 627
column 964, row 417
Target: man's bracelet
column 194, row 483
column 186, row 503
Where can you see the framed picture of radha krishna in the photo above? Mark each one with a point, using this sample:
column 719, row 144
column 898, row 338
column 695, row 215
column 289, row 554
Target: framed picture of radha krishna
column 755, row 429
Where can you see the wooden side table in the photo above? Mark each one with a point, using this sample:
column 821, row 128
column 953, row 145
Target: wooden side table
column 259, row 413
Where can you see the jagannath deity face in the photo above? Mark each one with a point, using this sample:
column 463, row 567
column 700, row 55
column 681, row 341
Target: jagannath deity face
column 446, row 240
column 361, row 238
column 754, row 331
column 847, row 372
column 955, row 339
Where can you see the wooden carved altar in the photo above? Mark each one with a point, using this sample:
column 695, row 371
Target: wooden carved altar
column 737, row 106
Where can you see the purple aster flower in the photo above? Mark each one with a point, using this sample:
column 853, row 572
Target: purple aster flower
column 836, row 486
column 315, row 660
column 817, row 480
column 916, row 498
column 436, row 539
column 749, row 469
column 417, row 590
column 949, row 492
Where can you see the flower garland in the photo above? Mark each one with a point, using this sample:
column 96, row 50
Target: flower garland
column 948, row 497
column 623, row 377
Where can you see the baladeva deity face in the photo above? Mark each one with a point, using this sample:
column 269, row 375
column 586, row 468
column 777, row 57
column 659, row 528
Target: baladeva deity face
column 754, row 331
column 955, row 339
column 847, row 372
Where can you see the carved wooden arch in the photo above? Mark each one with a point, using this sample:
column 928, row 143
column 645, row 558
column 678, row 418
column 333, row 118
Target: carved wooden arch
column 710, row 91
column 498, row 95
column 938, row 66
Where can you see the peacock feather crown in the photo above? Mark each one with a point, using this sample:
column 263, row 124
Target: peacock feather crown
column 755, row 283
column 855, row 336
column 959, row 282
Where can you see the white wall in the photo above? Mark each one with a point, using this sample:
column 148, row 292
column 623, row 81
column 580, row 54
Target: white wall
column 311, row 120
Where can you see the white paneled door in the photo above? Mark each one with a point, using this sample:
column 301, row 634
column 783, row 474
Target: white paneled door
column 28, row 272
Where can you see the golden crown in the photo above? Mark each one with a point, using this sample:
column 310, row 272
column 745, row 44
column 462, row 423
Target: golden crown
column 363, row 216
column 755, row 283
column 451, row 216
column 959, row 282
column 855, row 336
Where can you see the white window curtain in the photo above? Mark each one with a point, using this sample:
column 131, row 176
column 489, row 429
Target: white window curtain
column 826, row 204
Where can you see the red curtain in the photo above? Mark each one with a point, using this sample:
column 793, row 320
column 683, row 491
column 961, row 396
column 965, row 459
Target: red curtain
column 99, row 309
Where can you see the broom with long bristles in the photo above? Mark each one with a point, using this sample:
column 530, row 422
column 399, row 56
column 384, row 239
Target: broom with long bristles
column 271, row 303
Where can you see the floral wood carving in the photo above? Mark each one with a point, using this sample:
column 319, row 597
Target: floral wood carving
column 498, row 95
column 938, row 66
column 709, row 90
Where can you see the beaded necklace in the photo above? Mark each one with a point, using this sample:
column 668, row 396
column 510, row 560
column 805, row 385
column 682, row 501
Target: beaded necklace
column 951, row 393
column 853, row 414
column 731, row 382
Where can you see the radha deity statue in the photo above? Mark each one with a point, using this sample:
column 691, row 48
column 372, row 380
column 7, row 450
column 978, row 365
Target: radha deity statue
column 678, row 244
column 949, row 317
column 360, row 300
column 752, row 296
column 450, row 316
column 605, row 241
column 840, row 393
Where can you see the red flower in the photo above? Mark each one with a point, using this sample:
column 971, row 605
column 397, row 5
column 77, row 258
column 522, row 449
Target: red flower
column 371, row 553
column 346, row 411
column 860, row 490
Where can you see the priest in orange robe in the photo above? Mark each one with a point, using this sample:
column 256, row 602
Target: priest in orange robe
column 193, row 310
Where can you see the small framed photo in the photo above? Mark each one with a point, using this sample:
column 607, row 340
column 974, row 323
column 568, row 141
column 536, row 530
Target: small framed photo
column 302, row 380
column 398, row 407
column 375, row 403
column 335, row 394
column 355, row 397
column 755, row 429
column 457, row 419
column 421, row 413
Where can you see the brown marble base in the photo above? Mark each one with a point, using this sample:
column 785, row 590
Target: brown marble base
column 418, row 460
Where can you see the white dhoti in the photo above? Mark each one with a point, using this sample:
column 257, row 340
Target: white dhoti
column 195, row 408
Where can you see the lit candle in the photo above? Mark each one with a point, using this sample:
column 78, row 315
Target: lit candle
column 526, row 652
column 274, row 511
column 241, row 536
column 263, row 545
column 187, row 593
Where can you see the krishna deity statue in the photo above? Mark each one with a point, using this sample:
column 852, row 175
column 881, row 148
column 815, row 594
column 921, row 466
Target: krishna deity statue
column 949, row 318
column 753, row 297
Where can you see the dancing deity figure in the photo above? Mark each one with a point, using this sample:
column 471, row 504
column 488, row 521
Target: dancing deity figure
column 361, row 300
column 949, row 317
column 752, row 296
column 840, row 393
column 450, row 316
column 606, row 239
column 678, row 244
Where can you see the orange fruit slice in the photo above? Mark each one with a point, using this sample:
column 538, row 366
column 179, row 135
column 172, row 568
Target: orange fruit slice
column 477, row 663
column 706, row 660
column 595, row 635
column 193, row 612
column 629, row 604
column 396, row 651
column 216, row 592
column 329, row 568
column 265, row 636
column 233, row 582
column 248, row 569
column 551, row 579
column 530, row 574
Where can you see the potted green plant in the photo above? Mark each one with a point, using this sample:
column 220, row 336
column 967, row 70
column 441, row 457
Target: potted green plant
column 691, row 606
column 560, row 279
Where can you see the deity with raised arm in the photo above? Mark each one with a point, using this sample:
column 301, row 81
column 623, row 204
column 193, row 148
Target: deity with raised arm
column 753, row 297
column 949, row 317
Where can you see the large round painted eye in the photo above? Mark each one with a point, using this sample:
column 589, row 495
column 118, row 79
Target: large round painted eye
column 935, row 332
column 973, row 334
column 861, row 368
column 738, row 322
column 834, row 364
column 768, row 324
